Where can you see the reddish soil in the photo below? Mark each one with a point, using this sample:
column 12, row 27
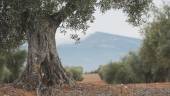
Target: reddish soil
column 92, row 85
column 92, row 79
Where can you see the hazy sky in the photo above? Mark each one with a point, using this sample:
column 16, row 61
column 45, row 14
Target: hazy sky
column 113, row 22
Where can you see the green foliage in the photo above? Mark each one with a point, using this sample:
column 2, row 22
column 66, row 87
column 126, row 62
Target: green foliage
column 125, row 75
column 152, row 64
column 121, row 72
column 135, row 9
column 108, row 72
column 134, row 62
column 136, row 68
column 11, row 65
column 75, row 72
column 156, row 46
column 19, row 18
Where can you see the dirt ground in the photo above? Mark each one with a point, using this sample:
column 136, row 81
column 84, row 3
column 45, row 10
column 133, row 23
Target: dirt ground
column 92, row 79
column 92, row 85
column 9, row 90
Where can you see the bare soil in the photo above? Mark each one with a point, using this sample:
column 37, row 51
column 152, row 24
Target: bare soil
column 92, row 85
column 92, row 79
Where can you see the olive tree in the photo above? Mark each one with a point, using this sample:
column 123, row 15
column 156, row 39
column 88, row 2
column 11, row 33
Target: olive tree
column 156, row 46
column 36, row 22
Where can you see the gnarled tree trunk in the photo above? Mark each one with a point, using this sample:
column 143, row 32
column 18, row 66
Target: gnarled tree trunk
column 43, row 68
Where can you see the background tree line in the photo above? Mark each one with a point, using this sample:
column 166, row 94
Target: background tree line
column 152, row 62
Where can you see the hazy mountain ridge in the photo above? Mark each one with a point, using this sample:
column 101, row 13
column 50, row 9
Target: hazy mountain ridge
column 98, row 48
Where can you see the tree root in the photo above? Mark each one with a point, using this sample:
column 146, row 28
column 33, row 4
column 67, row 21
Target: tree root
column 51, row 90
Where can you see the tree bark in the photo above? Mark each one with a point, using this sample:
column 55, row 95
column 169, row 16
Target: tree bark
column 43, row 68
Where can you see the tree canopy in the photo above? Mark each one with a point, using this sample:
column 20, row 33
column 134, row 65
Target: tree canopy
column 156, row 45
column 17, row 16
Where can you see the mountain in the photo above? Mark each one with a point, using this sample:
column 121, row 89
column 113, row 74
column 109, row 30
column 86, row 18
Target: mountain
column 97, row 49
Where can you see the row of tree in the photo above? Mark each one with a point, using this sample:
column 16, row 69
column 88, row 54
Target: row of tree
column 152, row 62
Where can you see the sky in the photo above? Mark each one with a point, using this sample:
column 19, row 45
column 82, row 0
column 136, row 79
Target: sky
column 113, row 22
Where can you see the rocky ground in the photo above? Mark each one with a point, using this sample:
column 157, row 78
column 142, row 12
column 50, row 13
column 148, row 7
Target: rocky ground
column 93, row 86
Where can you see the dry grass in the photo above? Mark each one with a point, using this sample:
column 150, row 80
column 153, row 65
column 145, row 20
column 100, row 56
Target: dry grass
column 9, row 90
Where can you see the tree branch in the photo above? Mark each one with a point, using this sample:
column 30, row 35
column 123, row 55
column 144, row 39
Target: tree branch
column 64, row 12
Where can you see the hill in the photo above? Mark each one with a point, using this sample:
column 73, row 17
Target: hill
column 97, row 49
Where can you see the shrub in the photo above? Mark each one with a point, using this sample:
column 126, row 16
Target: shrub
column 75, row 72
column 11, row 64
column 108, row 72
column 125, row 71
column 125, row 75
